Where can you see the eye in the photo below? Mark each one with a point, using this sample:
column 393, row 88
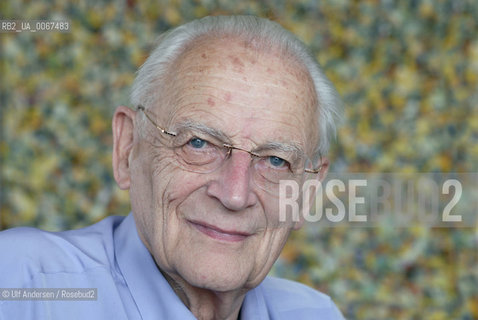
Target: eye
column 277, row 162
column 197, row 143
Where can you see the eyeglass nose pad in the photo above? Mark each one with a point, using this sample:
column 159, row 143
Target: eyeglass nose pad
column 229, row 151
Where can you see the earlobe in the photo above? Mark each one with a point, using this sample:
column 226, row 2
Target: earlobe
column 123, row 130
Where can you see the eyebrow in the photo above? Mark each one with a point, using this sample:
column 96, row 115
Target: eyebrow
column 292, row 147
column 196, row 126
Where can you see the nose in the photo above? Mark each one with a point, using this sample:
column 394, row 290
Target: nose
column 232, row 187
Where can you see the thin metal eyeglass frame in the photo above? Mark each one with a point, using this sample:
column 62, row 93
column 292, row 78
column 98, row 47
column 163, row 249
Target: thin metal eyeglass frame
column 229, row 147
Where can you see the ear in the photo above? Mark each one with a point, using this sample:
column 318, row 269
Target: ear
column 123, row 129
column 323, row 164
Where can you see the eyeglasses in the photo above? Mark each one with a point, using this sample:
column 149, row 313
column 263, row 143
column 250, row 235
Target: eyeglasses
column 198, row 149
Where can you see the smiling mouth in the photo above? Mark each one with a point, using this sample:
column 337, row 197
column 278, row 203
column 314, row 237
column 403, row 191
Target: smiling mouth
column 219, row 234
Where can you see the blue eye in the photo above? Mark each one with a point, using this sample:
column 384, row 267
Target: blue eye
column 276, row 161
column 197, row 143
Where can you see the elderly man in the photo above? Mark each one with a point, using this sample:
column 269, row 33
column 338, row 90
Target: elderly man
column 225, row 108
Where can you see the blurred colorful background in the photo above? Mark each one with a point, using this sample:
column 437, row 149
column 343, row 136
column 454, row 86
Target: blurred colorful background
column 407, row 72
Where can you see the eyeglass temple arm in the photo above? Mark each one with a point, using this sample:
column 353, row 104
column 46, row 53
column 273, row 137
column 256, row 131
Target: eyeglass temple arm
column 317, row 170
column 141, row 108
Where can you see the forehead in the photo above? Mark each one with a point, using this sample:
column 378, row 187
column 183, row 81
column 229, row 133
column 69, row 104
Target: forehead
column 226, row 84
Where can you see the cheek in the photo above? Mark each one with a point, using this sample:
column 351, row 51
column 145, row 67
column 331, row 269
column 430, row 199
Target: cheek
column 278, row 214
column 141, row 183
column 174, row 185
column 149, row 178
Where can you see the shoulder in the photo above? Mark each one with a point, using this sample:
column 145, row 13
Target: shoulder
column 29, row 251
column 293, row 298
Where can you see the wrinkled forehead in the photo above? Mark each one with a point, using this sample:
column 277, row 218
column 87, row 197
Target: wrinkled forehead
column 239, row 54
column 216, row 76
column 234, row 52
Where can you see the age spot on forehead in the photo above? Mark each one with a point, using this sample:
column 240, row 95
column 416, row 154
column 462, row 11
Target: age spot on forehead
column 211, row 102
column 236, row 61
column 237, row 64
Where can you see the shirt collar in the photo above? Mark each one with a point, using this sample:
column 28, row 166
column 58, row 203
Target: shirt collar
column 152, row 294
column 254, row 305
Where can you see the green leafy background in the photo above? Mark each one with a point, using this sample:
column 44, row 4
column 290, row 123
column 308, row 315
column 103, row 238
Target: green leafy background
column 407, row 72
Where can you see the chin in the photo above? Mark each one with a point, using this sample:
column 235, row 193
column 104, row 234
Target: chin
column 220, row 277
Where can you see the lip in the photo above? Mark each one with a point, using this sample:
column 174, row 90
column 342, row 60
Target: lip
column 218, row 233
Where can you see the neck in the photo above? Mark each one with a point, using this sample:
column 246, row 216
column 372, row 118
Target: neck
column 207, row 304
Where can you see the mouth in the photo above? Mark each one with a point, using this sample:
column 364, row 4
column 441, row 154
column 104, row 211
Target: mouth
column 218, row 233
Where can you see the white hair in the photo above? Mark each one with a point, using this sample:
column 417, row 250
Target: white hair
column 260, row 33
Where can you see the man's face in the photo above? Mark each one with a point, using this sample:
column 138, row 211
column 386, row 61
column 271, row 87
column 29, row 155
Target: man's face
column 219, row 230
